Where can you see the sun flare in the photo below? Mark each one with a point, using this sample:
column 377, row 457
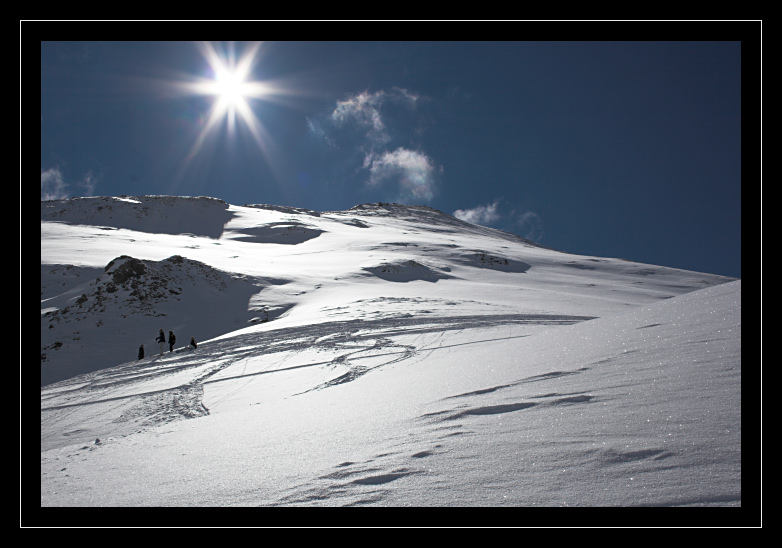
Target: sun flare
column 229, row 81
column 229, row 84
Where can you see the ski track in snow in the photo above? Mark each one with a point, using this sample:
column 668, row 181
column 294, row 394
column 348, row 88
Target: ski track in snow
column 348, row 483
column 182, row 376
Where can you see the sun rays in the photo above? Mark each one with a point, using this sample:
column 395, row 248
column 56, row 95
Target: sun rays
column 229, row 83
column 231, row 88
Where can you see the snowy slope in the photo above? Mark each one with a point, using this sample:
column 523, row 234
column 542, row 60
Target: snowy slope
column 301, row 265
column 409, row 358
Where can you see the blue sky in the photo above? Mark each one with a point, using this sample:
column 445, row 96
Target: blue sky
column 616, row 149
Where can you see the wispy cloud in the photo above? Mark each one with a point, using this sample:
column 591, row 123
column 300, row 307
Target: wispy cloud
column 530, row 225
column 88, row 184
column 501, row 214
column 52, row 185
column 480, row 215
column 364, row 109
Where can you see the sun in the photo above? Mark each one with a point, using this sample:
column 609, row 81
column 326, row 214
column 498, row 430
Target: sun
column 228, row 80
column 232, row 90
column 229, row 84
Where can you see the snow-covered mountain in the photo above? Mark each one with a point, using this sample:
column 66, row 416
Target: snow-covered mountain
column 384, row 355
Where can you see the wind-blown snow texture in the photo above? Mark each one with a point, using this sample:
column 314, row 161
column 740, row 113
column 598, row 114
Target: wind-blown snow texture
column 386, row 355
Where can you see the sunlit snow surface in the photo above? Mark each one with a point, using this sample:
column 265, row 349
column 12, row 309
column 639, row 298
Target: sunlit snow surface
column 408, row 359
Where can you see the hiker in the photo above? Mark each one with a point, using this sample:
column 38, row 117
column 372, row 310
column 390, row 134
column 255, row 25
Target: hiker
column 193, row 343
column 161, row 341
column 141, row 352
column 171, row 341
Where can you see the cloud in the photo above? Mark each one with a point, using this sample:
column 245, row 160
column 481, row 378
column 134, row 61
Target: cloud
column 412, row 172
column 317, row 130
column 52, row 185
column 371, row 113
column 502, row 215
column 362, row 109
column 481, row 215
column 88, row 184
column 368, row 121
column 375, row 141
column 531, row 224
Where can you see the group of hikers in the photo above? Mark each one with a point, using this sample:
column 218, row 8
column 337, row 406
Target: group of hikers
column 161, row 342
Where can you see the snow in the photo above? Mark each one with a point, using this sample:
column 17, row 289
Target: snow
column 387, row 355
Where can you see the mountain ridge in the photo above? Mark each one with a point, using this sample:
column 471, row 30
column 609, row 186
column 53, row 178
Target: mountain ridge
column 281, row 256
